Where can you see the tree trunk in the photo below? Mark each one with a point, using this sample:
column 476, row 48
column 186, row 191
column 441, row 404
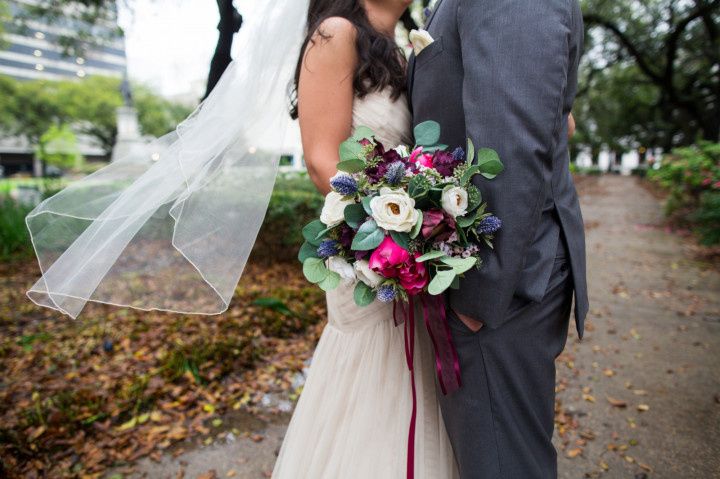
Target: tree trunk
column 229, row 25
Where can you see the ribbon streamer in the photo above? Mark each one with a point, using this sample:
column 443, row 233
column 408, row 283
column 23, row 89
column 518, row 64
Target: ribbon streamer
column 447, row 364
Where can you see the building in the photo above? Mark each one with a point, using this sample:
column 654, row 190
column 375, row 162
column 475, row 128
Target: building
column 35, row 50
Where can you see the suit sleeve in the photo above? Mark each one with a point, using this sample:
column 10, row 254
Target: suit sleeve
column 516, row 60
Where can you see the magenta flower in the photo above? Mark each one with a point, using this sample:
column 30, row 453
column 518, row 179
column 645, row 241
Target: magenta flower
column 386, row 259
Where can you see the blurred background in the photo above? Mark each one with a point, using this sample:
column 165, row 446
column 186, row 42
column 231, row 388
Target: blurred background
column 125, row 394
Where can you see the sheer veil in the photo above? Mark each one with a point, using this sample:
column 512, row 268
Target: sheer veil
column 171, row 227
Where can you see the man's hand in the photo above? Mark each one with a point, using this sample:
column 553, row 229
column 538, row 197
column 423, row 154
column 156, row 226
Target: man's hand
column 473, row 325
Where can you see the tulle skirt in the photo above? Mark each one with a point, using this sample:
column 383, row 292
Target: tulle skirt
column 353, row 415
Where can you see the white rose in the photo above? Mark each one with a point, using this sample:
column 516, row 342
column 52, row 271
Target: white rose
column 343, row 268
column 333, row 211
column 420, row 40
column 394, row 210
column 367, row 275
column 455, row 201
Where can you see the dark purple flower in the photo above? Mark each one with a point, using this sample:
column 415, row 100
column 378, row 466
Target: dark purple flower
column 345, row 236
column 376, row 173
column 489, row 225
column 445, row 163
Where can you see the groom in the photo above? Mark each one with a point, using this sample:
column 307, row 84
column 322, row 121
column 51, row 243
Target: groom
column 504, row 73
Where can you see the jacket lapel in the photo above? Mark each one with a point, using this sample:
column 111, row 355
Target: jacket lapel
column 411, row 62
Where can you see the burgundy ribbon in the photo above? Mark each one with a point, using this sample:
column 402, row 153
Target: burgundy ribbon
column 447, row 364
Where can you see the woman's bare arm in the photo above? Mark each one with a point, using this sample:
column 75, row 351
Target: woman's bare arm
column 571, row 126
column 325, row 98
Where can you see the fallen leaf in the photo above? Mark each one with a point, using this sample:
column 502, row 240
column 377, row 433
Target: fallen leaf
column 616, row 402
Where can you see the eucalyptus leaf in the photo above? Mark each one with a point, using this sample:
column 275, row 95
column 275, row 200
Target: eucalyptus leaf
column 331, row 281
column 460, row 265
column 402, row 239
column 363, row 133
column 430, row 255
column 311, row 231
column 427, row 133
column 363, row 294
column 353, row 165
column 314, row 270
column 434, row 148
column 355, row 215
column 465, row 221
column 307, row 250
column 441, row 282
column 368, row 237
column 470, row 153
column 366, row 204
column 489, row 163
column 351, row 150
column 469, row 173
column 418, row 226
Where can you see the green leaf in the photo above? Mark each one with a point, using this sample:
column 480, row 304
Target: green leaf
column 418, row 187
column 460, row 265
column 363, row 133
column 465, row 221
column 355, row 215
column 430, row 255
column 307, row 251
column 489, row 163
column 368, row 237
column 363, row 294
column 351, row 150
column 324, row 233
column 276, row 305
column 470, row 153
column 441, row 282
column 474, row 197
column 331, row 281
column 418, row 226
column 402, row 239
column 456, row 283
column 351, row 166
column 366, row 204
column 314, row 270
column 427, row 133
column 311, row 231
column 469, row 173
column 434, row 148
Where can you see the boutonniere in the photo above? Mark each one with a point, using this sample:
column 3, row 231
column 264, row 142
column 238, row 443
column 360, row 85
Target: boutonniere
column 420, row 40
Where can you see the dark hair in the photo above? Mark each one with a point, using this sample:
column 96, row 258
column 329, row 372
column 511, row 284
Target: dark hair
column 381, row 62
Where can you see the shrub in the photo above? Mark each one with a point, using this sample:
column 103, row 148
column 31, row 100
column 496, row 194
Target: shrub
column 294, row 203
column 14, row 237
column 691, row 175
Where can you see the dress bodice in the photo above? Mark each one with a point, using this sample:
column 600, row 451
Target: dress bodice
column 390, row 120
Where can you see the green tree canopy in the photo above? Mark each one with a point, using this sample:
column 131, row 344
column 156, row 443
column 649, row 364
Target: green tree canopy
column 651, row 72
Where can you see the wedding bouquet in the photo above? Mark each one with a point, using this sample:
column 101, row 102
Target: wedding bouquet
column 401, row 222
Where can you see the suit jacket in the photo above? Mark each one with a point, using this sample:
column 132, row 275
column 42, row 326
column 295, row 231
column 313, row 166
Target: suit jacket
column 504, row 73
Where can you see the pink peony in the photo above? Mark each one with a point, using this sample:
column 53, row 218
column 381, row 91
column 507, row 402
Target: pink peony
column 386, row 259
column 420, row 158
column 413, row 276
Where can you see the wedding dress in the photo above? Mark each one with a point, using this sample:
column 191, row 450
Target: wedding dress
column 353, row 415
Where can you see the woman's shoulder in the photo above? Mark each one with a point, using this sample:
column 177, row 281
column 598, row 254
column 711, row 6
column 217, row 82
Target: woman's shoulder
column 337, row 30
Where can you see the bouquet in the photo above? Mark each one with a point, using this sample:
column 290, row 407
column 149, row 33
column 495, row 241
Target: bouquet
column 401, row 222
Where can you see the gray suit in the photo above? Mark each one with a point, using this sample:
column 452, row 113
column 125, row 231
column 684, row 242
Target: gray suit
column 504, row 73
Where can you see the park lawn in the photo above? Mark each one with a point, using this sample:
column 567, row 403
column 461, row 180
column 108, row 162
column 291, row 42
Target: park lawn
column 77, row 397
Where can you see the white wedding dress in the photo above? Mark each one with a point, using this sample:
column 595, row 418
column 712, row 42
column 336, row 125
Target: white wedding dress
column 352, row 419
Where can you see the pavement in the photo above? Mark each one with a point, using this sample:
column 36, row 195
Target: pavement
column 638, row 398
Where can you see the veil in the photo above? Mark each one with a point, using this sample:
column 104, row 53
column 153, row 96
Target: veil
column 170, row 226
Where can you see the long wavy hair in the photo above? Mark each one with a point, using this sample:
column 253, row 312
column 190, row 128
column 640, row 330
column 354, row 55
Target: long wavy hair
column 381, row 62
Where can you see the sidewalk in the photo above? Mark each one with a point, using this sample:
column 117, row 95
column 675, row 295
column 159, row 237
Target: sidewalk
column 638, row 398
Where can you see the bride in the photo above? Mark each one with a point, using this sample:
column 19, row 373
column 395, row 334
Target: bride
column 353, row 415
column 171, row 226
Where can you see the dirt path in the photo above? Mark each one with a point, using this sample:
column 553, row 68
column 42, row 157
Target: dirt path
column 639, row 397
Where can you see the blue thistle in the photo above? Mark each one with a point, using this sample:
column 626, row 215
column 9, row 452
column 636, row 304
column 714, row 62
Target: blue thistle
column 395, row 173
column 489, row 225
column 328, row 248
column 344, row 184
column 386, row 293
column 458, row 154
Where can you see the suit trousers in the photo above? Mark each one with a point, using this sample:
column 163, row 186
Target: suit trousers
column 501, row 420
